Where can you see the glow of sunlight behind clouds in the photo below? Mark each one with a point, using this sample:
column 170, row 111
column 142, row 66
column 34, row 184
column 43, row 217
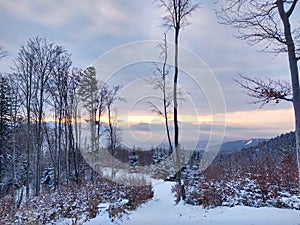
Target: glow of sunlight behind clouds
column 148, row 130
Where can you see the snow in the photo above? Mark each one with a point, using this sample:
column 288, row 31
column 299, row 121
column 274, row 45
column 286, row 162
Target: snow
column 162, row 210
column 103, row 206
column 249, row 142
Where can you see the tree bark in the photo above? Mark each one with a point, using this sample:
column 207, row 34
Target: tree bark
column 28, row 139
column 39, row 138
column 294, row 76
column 176, row 127
column 164, row 73
column 111, row 136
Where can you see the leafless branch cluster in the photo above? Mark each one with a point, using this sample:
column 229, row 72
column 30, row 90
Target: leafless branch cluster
column 159, row 81
column 154, row 108
column 258, row 21
column 265, row 91
column 176, row 12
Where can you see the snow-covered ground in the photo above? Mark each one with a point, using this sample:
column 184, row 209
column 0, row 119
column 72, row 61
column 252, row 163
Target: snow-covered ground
column 161, row 210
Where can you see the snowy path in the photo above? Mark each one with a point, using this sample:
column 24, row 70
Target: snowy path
column 158, row 209
column 161, row 210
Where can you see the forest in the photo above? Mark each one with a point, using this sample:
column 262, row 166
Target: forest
column 61, row 150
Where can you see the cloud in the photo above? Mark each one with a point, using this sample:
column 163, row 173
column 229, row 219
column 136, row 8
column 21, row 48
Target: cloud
column 268, row 118
column 88, row 29
column 92, row 17
column 127, row 21
column 45, row 12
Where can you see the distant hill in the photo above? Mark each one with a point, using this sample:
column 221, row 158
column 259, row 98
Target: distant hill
column 236, row 146
column 232, row 146
column 278, row 152
column 277, row 148
column 256, row 149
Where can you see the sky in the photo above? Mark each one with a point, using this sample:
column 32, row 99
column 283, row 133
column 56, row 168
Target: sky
column 112, row 32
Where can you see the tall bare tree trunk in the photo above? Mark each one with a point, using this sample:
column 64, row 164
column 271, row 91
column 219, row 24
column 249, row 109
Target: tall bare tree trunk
column 28, row 146
column 28, row 95
column 176, row 18
column 296, row 104
column 77, row 142
column 59, row 146
column 164, row 74
column 111, row 136
column 294, row 76
column 67, row 147
column 55, row 162
column 176, row 127
column 13, row 118
column 39, row 139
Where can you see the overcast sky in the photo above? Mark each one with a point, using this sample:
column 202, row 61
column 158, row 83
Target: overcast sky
column 89, row 29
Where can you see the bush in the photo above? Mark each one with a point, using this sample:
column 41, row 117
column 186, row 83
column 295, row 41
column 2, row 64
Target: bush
column 78, row 202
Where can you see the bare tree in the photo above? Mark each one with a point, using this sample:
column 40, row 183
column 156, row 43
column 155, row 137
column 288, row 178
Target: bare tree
column 102, row 101
column 111, row 98
column 177, row 13
column 59, row 89
column 269, row 23
column 77, row 125
column 35, row 65
column 71, row 112
column 46, row 58
column 23, row 71
column 159, row 82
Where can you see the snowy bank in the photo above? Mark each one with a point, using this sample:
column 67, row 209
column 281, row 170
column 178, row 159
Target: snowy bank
column 162, row 210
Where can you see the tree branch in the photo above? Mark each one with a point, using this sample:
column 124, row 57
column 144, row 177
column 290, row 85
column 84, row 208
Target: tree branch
column 256, row 22
column 290, row 11
column 265, row 91
column 154, row 108
column 177, row 12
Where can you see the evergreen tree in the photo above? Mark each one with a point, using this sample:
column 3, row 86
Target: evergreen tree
column 88, row 92
column 133, row 160
column 4, row 122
